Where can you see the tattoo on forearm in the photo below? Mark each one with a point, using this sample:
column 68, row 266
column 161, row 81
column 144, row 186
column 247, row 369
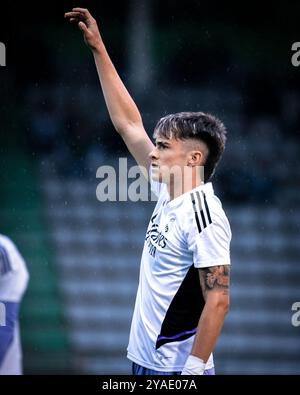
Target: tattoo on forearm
column 215, row 277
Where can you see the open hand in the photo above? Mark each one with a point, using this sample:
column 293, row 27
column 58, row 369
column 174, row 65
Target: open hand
column 87, row 24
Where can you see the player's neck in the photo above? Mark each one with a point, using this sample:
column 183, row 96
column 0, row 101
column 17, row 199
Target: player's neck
column 186, row 184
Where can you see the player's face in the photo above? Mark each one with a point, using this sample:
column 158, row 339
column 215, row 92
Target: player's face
column 168, row 157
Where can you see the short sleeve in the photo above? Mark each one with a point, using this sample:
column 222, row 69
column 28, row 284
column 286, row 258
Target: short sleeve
column 210, row 245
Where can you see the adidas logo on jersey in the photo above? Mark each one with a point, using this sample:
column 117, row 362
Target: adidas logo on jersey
column 201, row 210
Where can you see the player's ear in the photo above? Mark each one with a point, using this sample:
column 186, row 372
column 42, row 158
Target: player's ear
column 195, row 158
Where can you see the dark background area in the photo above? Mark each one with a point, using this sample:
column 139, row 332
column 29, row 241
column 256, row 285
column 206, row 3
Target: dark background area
column 244, row 47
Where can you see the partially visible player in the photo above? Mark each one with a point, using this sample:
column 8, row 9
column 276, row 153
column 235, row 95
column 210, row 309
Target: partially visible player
column 183, row 293
column 13, row 282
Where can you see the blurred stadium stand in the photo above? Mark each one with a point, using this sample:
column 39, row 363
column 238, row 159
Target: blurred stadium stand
column 98, row 247
column 44, row 334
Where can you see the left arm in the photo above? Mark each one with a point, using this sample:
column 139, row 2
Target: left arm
column 214, row 282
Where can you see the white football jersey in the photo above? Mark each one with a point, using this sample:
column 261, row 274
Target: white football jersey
column 184, row 234
column 13, row 282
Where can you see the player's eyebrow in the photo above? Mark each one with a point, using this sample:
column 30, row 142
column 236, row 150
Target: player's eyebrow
column 162, row 142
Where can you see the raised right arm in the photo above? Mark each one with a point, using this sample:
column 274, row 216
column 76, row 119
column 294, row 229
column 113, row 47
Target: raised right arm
column 123, row 111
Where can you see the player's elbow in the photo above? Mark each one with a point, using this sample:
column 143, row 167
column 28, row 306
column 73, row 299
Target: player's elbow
column 223, row 306
column 226, row 306
column 220, row 302
column 125, row 127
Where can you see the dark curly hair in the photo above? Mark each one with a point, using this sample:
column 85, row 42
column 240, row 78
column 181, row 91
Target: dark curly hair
column 197, row 125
